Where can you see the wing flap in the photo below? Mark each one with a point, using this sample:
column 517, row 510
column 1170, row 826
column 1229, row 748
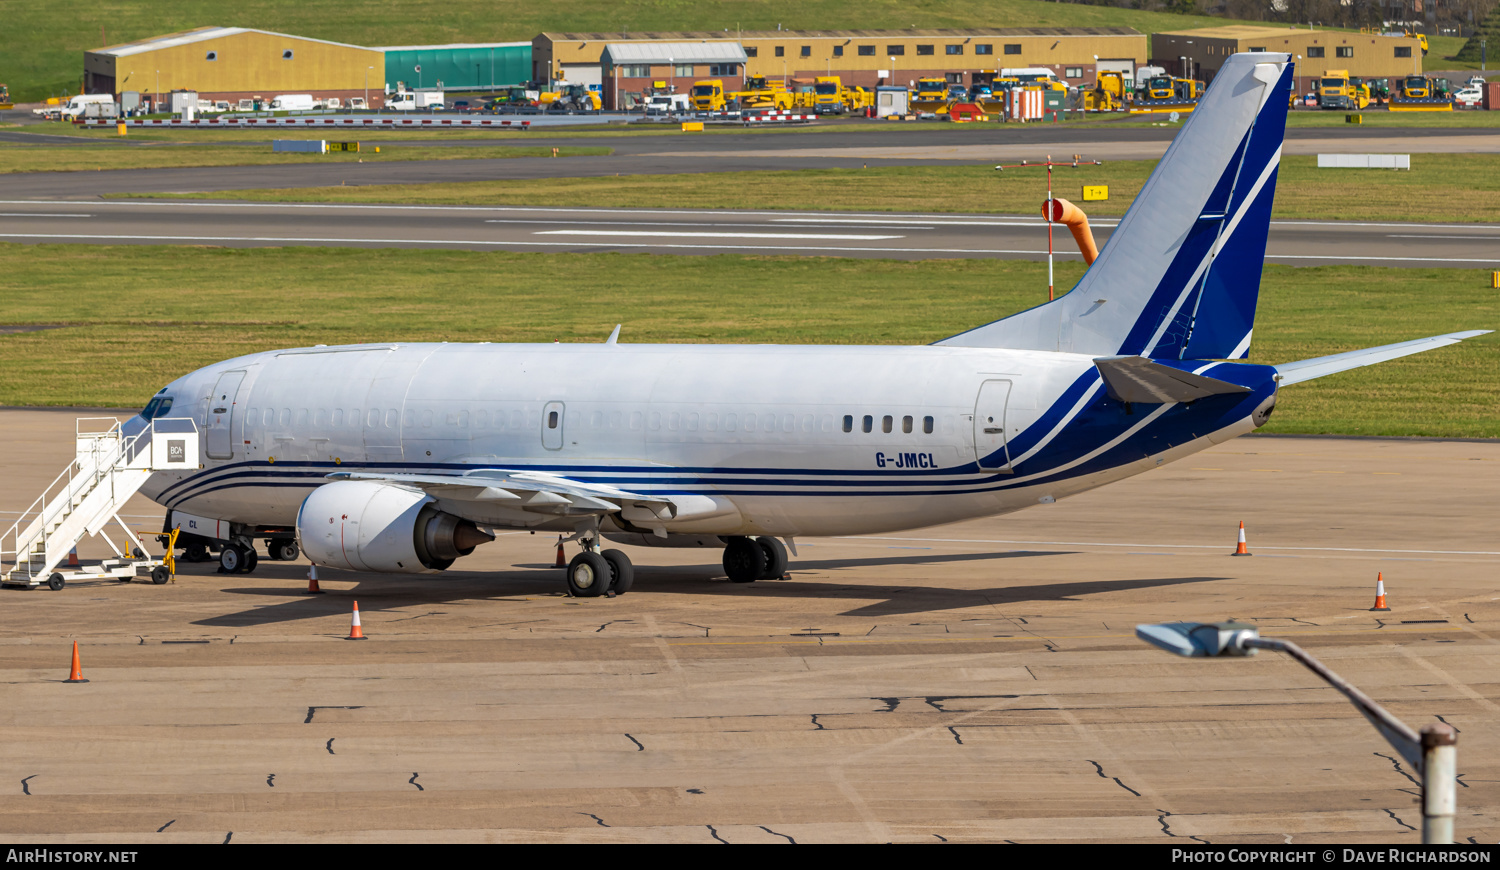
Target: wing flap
column 1308, row 369
column 528, row 491
column 1137, row 379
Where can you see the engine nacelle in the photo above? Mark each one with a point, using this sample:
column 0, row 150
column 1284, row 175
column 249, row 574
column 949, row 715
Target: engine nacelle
column 363, row 525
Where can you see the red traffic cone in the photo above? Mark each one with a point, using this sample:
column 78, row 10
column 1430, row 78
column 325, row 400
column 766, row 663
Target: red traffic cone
column 1379, row 593
column 354, row 631
column 312, row 581
column 76, row 674
column 73, row 558
column 1239, row 549
column 562, row 557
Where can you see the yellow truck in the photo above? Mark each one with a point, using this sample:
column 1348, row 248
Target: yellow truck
column 830, row 97
column 1419, row 94
column 708, row 96
column 763, row 93
column 1338, row 90
column 1163, row 93
column 931, row 95
column 1108, row 93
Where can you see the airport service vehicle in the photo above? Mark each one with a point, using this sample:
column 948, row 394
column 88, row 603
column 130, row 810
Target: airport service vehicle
column 1108, row 93
column 357, row 103
column 668, row 104
column 763, row 93
column 575, row 99
column 410, row 101
column 1469, row 96
column 1420, row 94
column 402, row 458
column 830, row 96
column 74, row 107
column 930, row 95
column 293, row 103
column 708, row 96
column 1338, row 90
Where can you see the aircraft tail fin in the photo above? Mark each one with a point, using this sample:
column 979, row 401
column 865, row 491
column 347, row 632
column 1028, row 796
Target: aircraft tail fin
column 1180, row 276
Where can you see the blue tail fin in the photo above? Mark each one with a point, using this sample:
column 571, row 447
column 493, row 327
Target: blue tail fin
column 1180, row 276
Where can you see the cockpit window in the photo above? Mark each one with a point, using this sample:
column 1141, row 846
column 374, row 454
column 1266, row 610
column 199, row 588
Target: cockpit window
column 157, row 407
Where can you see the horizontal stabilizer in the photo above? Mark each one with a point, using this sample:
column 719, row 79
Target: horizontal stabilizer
column 1307, row 369
column 1137, row 379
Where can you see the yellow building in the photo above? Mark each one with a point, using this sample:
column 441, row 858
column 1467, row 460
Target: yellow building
column 230, row 63
column 861, row 57
column 1366, row 55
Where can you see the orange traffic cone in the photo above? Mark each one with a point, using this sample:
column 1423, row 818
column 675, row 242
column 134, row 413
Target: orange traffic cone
column 354, row 632
column 1379, row 593
column 76, row 675
column 73, row 558
column 562, row 557
column 1239, row 549
column 312, row 581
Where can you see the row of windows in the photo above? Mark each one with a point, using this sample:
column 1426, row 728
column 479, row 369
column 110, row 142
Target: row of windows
column 516, row 420
column 892, row 50
column 685, row 70
column 887, row 424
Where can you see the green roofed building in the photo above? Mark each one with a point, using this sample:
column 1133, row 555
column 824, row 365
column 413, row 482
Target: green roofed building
column 467, row 66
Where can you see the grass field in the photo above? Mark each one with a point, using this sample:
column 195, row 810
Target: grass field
column 42, row 43
column 69, row 158
column 130, row 319
column 1448, row 187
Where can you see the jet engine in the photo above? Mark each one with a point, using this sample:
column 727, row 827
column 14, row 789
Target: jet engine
column 365, row 525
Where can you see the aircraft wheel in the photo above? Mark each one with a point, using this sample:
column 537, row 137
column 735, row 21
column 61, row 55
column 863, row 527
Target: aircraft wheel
column 251, row 560
column 775, row 557
column 621, row 570
column 160, row 575
column 744, row 560
column 56, row 582
column 588, row 575
column 283, row 550
column 195, row 553
column 233, row 558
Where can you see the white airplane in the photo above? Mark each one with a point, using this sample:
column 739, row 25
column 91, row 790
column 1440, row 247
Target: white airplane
column 403, row 457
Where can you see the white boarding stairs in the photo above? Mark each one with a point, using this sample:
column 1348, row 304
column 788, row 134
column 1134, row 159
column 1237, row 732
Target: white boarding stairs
column 108, row 469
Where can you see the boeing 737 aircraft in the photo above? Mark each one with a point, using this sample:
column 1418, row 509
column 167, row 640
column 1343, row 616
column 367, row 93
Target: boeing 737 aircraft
column 404, row 457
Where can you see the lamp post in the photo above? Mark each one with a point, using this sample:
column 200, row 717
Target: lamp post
column 672, row 76
column 367, row 86
column 1433, row 752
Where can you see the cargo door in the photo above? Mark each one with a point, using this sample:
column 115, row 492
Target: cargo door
column 989, row 426
column 220, row 423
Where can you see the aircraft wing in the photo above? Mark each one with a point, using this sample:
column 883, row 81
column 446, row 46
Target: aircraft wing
column 1307, row 369
column 1137, row 379
column 530, row 491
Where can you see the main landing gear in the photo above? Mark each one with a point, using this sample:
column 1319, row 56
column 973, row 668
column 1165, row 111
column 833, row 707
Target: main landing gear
column 237, row 559
column 749, row 559
column 593, row 573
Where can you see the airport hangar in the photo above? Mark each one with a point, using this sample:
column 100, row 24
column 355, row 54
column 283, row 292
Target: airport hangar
column 858, row 57
column 1366, row 55
column 232, row 63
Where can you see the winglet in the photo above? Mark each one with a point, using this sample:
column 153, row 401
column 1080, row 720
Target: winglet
column 614, row 337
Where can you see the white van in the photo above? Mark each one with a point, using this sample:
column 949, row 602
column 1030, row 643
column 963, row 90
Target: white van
column 74, row 107
column 292, row 103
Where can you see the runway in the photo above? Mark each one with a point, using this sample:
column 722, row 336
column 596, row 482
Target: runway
column 973, row 683
column 685, row 231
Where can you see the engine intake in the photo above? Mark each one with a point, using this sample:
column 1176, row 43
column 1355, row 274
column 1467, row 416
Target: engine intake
column 362, row 525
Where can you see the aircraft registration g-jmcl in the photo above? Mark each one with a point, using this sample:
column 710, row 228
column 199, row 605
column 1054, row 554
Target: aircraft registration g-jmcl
column 404, row 457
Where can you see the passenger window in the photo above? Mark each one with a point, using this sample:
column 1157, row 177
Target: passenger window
column 885, row 424
column 551, row 419
column 927, row 425
column 635, row 420
column 463, row 419
column 409, row 419
column 848, row 422
column 374, row 418
column 692, row 422
column 655, row 420
column 712, row 422
column 515, row 420
column 906, row 425
column 869, row 424
column 390, row 418
column 749, row 422
column 615, row 420
column 269, row 417
column 729, row 422
column 320, row 418
column 286, row 417
column 674, row 421
column 301, row 418
column 426, row 419
column 338, row 417
column 808, row 424
column 596, row 420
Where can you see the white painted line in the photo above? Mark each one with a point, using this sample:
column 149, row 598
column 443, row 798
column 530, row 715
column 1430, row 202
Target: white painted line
column 1465, row 238
column 501, row 244
column 534, row 222
column 1023, row 220
column 1167, row 546
column 705, row 235
column 1385, row 259
column 40, row 214
column 937, row 220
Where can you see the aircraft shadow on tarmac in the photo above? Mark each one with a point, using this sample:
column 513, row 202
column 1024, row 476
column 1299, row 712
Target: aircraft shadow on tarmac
column 392, row 593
